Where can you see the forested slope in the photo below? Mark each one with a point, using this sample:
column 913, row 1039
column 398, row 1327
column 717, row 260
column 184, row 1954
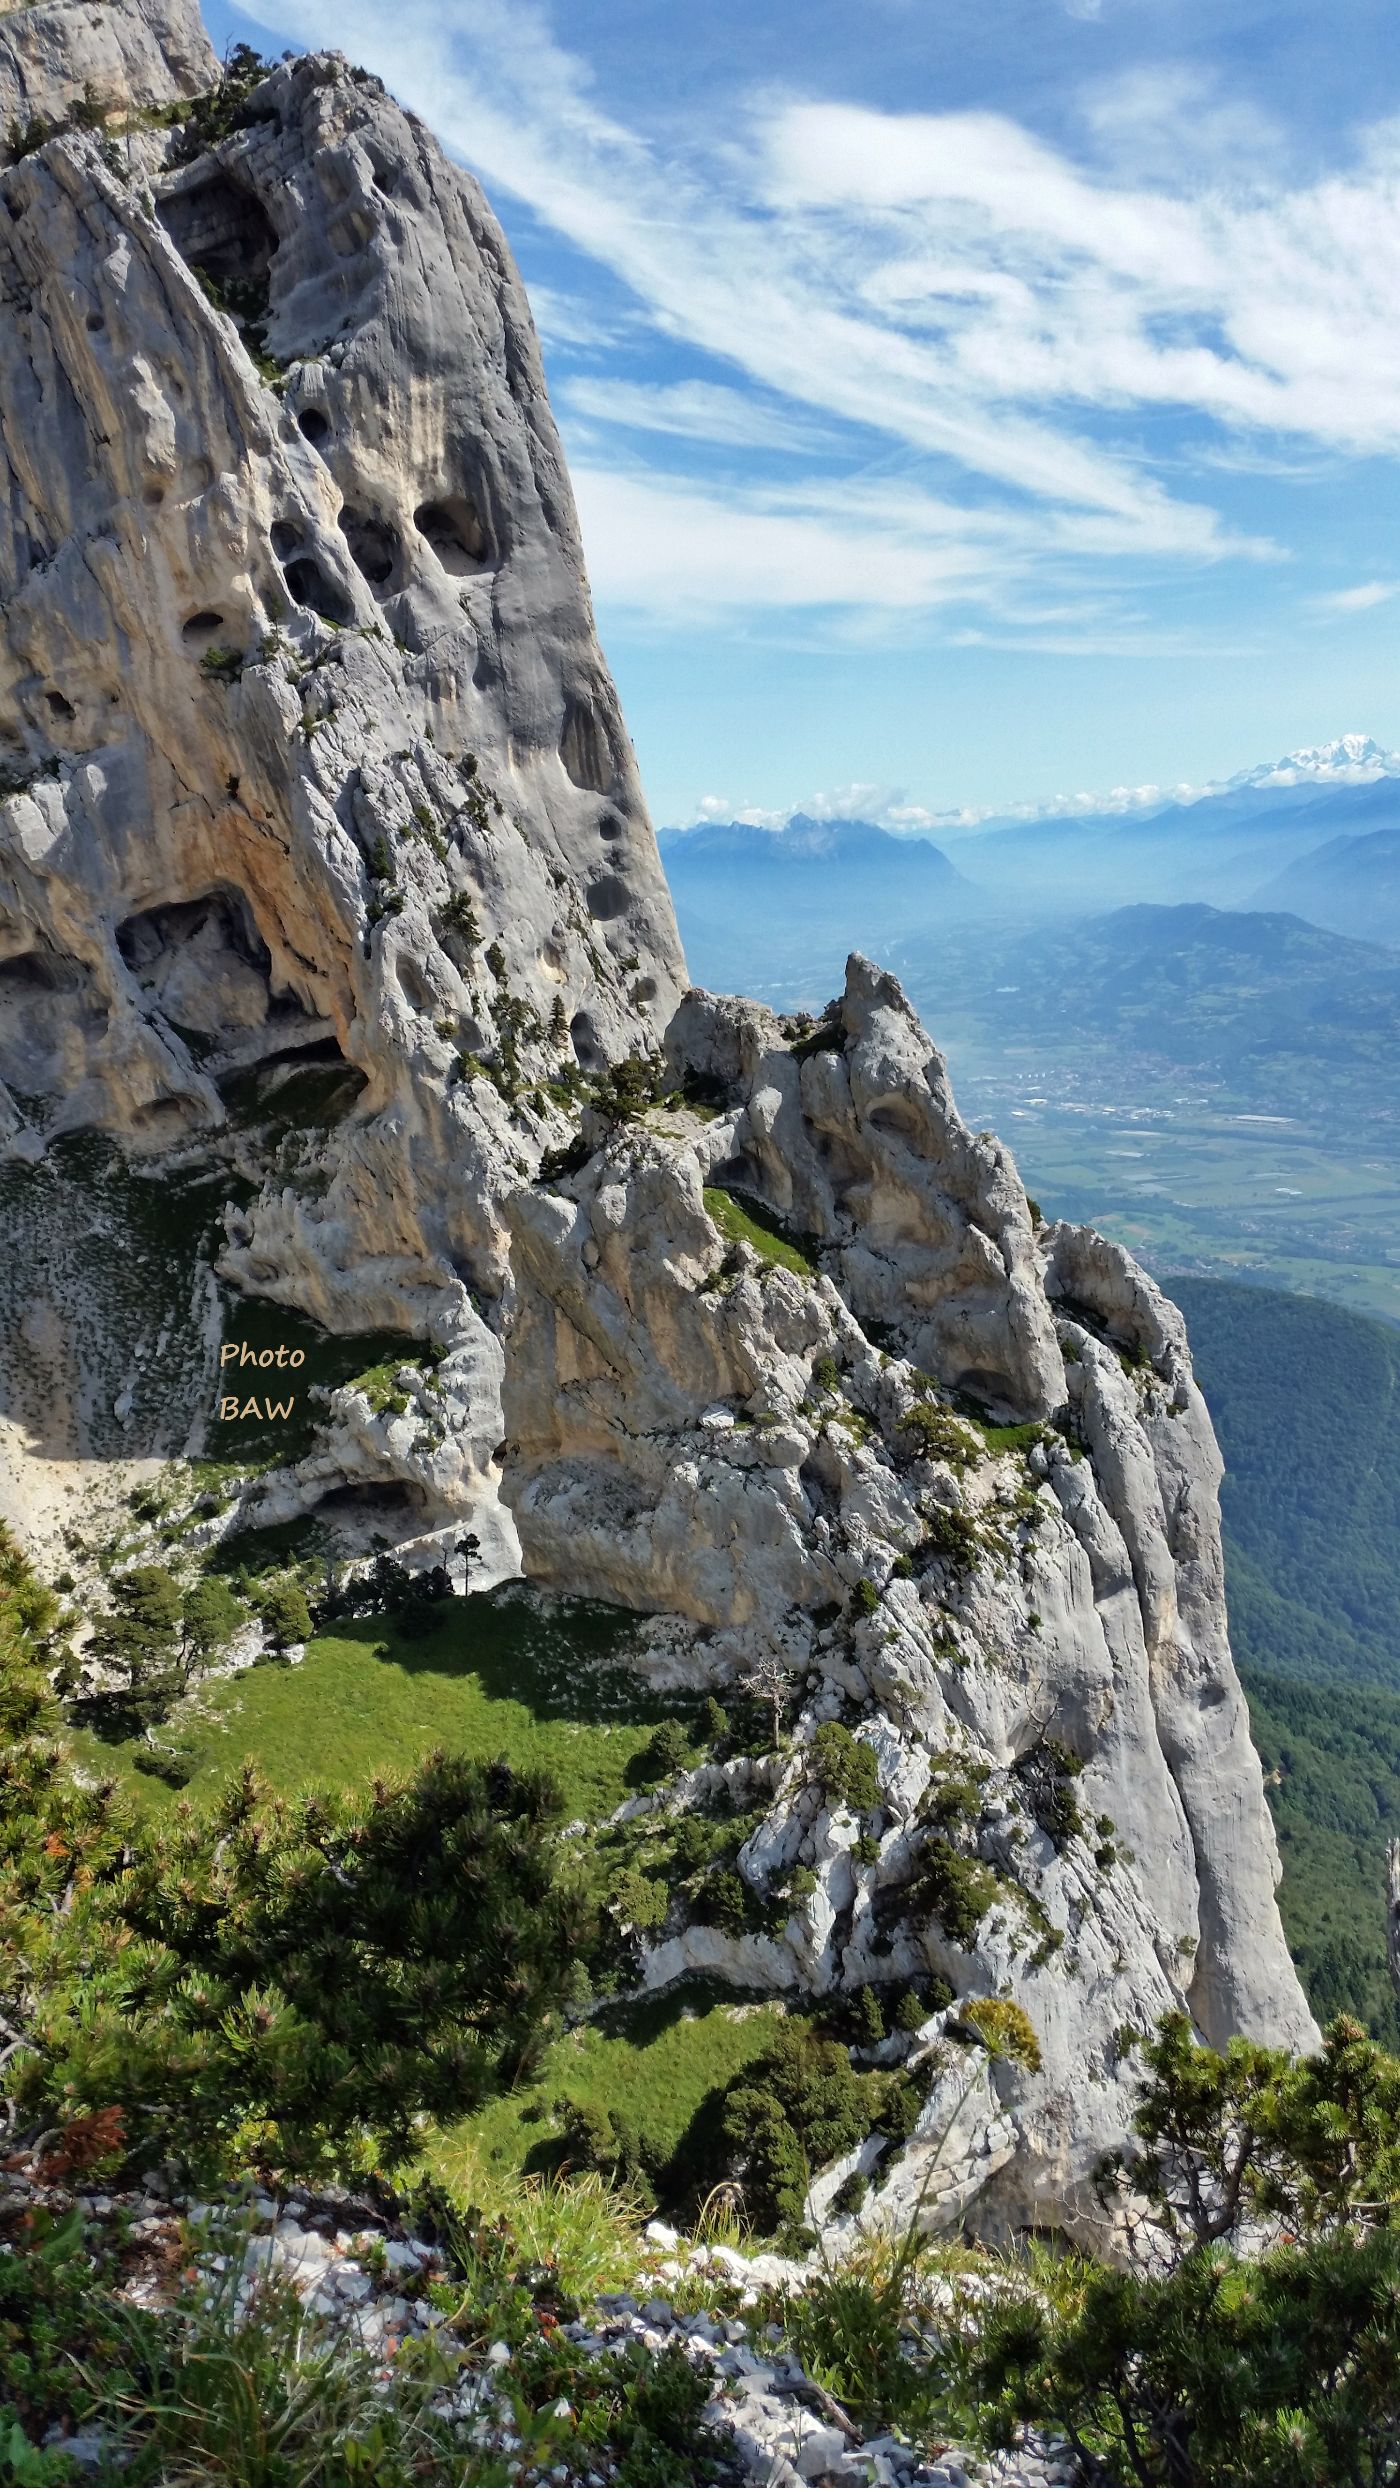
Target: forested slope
column 1304, row 1399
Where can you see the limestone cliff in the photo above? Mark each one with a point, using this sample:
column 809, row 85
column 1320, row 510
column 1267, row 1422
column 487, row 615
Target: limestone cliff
column 331, row 918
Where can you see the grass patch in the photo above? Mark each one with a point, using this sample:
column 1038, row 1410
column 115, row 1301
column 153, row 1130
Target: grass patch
column 653, row 2062
column 744, row 1221
column 1009, row 1437
column 543, row 1683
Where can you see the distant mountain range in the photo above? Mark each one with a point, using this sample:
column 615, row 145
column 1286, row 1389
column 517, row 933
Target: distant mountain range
column 1228, row 849
column 754, row 903
column 807, row 855
column 1316, row 833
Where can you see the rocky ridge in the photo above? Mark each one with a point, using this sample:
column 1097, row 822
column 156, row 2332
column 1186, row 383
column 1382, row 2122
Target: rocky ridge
column 369, row 2276
column 327, row 889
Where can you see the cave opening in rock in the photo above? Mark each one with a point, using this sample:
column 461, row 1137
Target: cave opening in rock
column 608, row 899
column 453, row 528
column 224, row 233
column 314, row 425
column 583, row 1036
column 375, row 1502
column 311, row 588
column 203, row 964
column 374, row 548
column 201, row 628
column 287, row 538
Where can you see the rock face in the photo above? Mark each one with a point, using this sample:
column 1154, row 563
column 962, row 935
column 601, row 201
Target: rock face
column 327, row 892
column 310, row 750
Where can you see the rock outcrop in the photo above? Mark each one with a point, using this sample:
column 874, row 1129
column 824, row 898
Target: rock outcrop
column 328, row 896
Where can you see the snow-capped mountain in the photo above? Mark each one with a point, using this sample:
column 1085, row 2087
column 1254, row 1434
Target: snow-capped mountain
column 1349, row 760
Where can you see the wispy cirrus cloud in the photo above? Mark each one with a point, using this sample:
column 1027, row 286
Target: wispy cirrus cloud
column 969, row 343
column 1360, row 599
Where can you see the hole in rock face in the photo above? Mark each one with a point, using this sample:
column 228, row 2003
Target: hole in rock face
column 980, row 1383
column 610, row 827
column 200, row 629
column 374, row 547
column 34, row 972
column 387, row 175
column 223, row 231
column 314, row 425
column 287, row 538
column 59, row 708
column 95, row 323
column 583, row 1036
column 608, row 899
column 454, row 530
column 154, row 496
column 584, row 749
column 310, row 586
column 382, row 1499
column 203, row 960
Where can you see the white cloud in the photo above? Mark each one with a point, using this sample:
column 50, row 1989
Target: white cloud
column 682, row 551
column 943, row 287
column 696, row 410
column 1360, row 599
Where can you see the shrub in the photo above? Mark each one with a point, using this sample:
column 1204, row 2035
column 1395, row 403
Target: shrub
column 724, row 1901
column 668, row 1751
column 459, row 916
column 868, row 2018
column 210, row 1617
column 1246, row 2133
column 953, row 1537
column 846, row 1767
column 624, row 1093
column 1047, row 1774
column 865, row 1598
column 285, row 1614
column 936, row 1434
column 222, row 665
column 1282, row 2372
column 714, row 1722
column 226, row 109
column 1005, row 2030
column 828, row 1036
column 790, row 2112
column 291, row 1981
column 640, row 1900
column 826, row 1374
column 958, row 1891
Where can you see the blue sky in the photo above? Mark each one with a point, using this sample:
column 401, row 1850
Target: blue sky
column 968, row 401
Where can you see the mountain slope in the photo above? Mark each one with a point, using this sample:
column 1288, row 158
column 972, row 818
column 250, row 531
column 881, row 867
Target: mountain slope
column 1351, row 885
column 1305, row 1399
column 1271, row 1005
